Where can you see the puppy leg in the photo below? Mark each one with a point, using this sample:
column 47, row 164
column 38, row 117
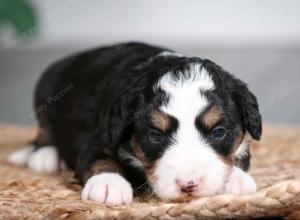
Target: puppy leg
column 40, row 156
column 239, row 183
column 102, row 179
column 20, row 157
column 44, row 159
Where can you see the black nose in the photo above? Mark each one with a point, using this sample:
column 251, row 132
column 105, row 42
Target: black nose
column 190, row 187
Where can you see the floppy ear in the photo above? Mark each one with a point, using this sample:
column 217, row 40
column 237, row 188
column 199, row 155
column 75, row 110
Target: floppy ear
column 121, row 120
column 245, row 101
column 248, row 107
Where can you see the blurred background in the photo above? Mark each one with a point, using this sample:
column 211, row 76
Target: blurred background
column 257, row 40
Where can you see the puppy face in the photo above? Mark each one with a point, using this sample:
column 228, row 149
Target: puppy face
column 187, row 141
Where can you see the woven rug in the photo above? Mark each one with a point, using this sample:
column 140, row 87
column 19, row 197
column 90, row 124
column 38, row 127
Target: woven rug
column 275, row 167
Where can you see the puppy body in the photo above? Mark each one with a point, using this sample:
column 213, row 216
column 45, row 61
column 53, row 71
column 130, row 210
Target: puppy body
column 143, row 117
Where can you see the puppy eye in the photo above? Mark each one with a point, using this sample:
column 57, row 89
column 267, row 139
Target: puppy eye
column 155, row 137
column 218, row 132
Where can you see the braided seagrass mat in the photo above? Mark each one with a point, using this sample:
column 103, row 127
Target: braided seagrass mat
column 275, row 167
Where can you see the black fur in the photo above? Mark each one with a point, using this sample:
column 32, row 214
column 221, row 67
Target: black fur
column 94, row 102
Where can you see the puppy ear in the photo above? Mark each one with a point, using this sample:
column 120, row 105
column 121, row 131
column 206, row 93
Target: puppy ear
column 248, row 108
column 242, row 97
column 121, row 120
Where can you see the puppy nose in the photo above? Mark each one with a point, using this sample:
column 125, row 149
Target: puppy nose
column 187, row 186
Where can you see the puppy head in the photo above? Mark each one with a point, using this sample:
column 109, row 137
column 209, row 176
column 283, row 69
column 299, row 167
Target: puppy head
column 187, row 139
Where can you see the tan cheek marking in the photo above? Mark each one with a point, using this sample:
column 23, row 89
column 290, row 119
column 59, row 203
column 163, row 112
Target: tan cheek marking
column 160, row 120
column 236, row 146
column 138, row 153
column 230, row 159
column 237, row 143
column 150, row 167
column 211, row 117
column 106, row 165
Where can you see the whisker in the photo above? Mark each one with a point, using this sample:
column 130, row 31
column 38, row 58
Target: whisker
column 136, row 189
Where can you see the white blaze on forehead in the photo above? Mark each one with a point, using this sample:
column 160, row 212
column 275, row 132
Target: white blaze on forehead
column 195, row 77
column 185, row 93
column 190, row 157
column 186, row 100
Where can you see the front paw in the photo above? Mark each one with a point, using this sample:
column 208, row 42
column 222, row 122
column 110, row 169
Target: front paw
column 108, row 188
column 240, row 183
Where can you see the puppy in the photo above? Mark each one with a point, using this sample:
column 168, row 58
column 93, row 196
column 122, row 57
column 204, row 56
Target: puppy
column 136, row 117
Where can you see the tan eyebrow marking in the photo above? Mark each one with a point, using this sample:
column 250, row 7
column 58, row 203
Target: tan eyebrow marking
column 160, row 120
column 211, row 117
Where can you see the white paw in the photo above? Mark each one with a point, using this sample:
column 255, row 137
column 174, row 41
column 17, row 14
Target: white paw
column 21, row 156
column 240, row 183
column 44, row 159
column 108, row 188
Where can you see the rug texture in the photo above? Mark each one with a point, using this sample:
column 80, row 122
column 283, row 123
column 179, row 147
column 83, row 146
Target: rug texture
column 275, row 167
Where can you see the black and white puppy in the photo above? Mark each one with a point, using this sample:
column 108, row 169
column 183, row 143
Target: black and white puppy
column 133, row 116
